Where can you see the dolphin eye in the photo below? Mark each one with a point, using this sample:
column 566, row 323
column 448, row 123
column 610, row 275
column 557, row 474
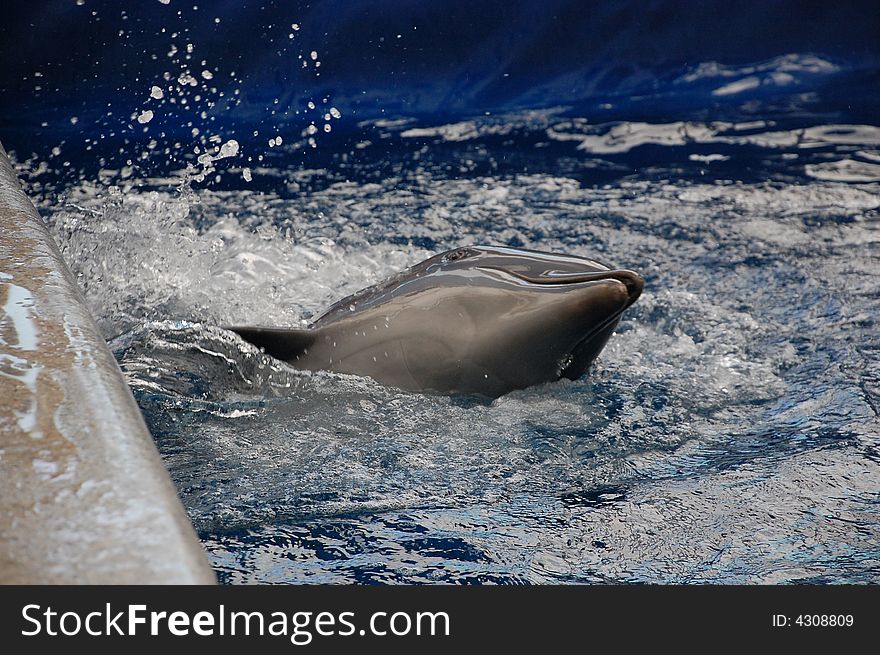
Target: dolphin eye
column 461, row 253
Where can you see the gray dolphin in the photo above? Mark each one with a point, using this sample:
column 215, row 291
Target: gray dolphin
column 478, row 320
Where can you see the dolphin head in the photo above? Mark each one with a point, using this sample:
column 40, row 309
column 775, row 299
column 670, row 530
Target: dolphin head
column 483, row 319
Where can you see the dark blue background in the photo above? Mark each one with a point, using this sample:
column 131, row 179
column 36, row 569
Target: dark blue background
column 454, row 57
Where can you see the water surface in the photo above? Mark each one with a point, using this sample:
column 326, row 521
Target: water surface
column 727, row 434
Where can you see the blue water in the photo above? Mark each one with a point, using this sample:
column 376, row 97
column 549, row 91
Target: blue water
column 727, row 434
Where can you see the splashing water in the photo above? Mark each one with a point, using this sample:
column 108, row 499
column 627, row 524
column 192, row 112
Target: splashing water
column 728, row 433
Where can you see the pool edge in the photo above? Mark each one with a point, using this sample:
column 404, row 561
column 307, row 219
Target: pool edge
column 84, row 496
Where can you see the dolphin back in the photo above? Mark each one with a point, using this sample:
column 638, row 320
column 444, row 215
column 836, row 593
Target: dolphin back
column 281, row 343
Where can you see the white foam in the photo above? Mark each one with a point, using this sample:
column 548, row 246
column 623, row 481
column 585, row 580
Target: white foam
column 621, row 137
column 844, row 170
column 745, row 84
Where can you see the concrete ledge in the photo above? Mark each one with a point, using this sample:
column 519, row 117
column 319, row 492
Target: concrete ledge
column 84, row 496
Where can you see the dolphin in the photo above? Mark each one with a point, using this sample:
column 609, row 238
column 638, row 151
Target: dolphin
column 481, row 320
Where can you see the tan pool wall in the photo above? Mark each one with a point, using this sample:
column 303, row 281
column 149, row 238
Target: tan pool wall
column 84, row 496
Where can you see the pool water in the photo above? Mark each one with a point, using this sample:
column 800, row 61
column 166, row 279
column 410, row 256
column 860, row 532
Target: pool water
column 728, row 433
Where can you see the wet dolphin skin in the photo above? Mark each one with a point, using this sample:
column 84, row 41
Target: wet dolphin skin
column 478, row 320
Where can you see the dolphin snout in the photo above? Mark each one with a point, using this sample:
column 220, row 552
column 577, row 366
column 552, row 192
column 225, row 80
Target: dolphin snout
column 633, row 282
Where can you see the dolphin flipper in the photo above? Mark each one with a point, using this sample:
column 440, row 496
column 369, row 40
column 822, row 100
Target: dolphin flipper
column 281, row 343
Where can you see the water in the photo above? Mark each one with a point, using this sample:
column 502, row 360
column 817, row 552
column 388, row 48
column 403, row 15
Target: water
column 198, row 168
column 727, row 434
